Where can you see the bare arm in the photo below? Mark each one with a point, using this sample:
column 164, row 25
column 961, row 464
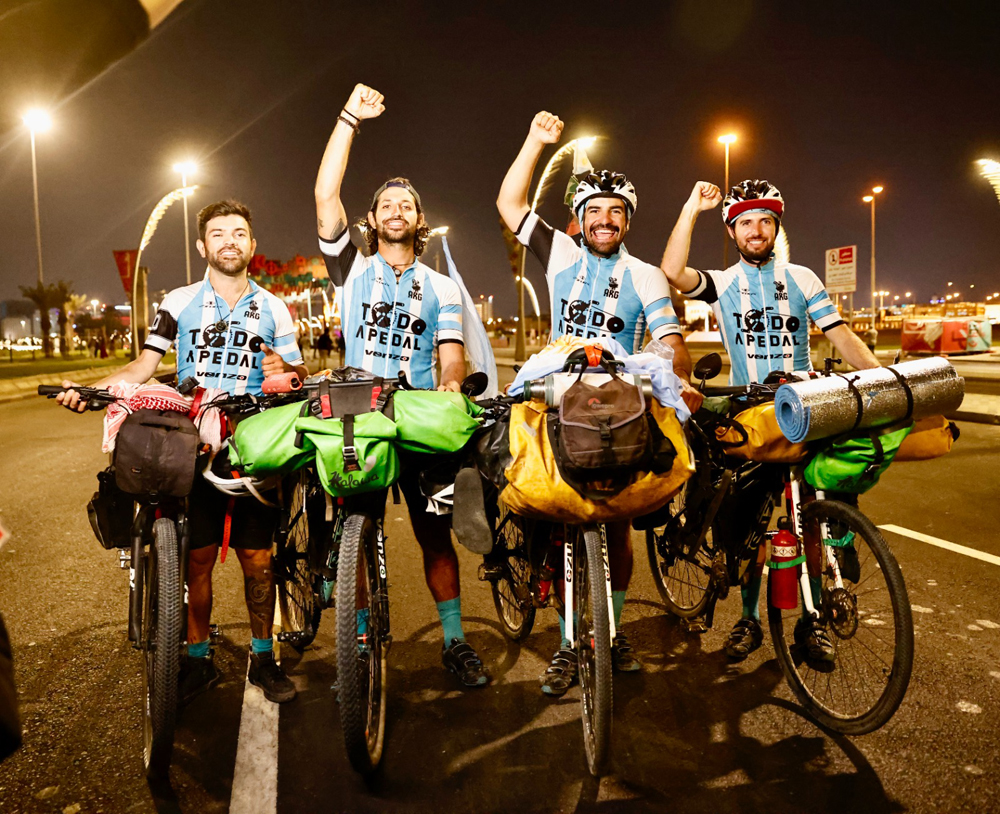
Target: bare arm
column 451, row 355
column 682, row 367
column 513, row 198
column 703, row 197
column 854, row 351
column 138, row 371
column 331, row 217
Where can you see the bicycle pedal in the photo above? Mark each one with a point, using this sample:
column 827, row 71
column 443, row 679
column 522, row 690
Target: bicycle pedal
column 124, row 559
column 694, row 627
column 490, row 572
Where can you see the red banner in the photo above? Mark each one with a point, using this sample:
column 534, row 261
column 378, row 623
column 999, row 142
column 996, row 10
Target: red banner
column 126, row 268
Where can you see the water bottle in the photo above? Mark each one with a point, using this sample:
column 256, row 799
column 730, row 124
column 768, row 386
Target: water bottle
column 551, row 388
column 783, row 573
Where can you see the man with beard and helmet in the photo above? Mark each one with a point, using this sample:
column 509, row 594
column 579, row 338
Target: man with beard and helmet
column 229, row 334
column 763, row 309
column 596, row 290
column 397, row 315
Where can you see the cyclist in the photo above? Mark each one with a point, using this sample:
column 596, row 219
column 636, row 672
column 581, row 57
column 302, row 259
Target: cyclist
column 596, row 289
column 763, row 309
column 229, row 334
column 398, row 314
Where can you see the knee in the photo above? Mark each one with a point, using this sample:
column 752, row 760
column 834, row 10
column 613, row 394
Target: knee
column 255, row 561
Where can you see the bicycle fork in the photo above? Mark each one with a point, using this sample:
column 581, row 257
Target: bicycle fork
column 826, row 551
column 569, row 574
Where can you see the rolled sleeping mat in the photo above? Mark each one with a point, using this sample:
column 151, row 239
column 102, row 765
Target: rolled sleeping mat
column 831, row 405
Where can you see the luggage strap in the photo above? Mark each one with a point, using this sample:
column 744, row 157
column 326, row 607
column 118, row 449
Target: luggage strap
column 350, row 452
column 227, row 528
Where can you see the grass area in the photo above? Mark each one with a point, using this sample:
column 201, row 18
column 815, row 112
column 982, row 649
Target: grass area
column 24, row 365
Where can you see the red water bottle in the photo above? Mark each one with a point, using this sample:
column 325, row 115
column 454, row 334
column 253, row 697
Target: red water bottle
column 783, row 572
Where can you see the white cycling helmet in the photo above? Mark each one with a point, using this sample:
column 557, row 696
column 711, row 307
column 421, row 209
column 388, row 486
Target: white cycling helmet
column 220, row 474
column 604, row 184
column 752, row 196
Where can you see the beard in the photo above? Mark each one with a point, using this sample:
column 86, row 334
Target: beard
column 605, row 248
column 391, row 234
column 755, row 255
column 230, row 266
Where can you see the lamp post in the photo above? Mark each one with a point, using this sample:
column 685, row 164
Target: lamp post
column 871, row 199
column 726, row 140
column 186, row 168
column 37, row 121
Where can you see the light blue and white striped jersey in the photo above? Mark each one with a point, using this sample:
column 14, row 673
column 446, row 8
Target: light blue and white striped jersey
column 392, row 326
column 594, row 296
column 763, row 315
column 229, row 359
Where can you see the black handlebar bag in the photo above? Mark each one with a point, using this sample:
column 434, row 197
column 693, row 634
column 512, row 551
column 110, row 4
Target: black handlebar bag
column 155, row 454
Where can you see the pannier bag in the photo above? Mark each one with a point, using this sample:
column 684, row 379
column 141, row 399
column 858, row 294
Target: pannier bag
column 155, row 453
column 536, row 487
column 931, row 437
column 111, row 512
column 855, row 462
column 763, row 440
column 371, row 461
column 434, row 420
column 264, row 444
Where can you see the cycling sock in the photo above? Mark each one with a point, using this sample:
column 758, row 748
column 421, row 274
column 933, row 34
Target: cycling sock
column 564, row 643
column 450, row 612
column 362, row 621
column 198, row 650
column 618, row 602
column 751, row 598
column 816, row 589
column 258, row 646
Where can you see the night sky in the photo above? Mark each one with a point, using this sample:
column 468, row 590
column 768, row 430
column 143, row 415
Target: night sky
column 826, row 102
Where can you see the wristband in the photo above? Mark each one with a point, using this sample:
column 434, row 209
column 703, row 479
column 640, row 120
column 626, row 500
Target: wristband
column 346, row 112
column 353, row 125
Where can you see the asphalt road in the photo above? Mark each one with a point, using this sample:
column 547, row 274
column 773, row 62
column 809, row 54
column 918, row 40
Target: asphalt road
column 691, row 732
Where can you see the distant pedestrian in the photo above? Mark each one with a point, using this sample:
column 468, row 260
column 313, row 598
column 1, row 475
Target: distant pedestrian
column 324, row 344
column 95, row 347
column 338, row 339
column 103, row 347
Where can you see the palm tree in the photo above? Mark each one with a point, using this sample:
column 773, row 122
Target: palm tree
column 61, row 292
column 41, row 295
column 75, row 305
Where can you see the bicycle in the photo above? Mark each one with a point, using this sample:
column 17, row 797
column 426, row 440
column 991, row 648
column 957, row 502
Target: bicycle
column 158, row 543
column 698, row 554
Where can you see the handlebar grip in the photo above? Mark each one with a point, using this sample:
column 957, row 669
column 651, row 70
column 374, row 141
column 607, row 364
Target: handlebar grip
column 50, row 389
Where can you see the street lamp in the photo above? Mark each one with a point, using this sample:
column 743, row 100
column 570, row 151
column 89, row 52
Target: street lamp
column 37, row 121
column 438, row 231
column 871, row 199
column 93, row 307
column 186, row 168
column 726, row 140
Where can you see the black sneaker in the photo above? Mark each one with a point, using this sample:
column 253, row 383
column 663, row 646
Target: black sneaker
column 196, row 675
column 561, row 673
column 267, row 674
column 745, row 637
column 623, row 657
column 463, row 661
column 810, row 634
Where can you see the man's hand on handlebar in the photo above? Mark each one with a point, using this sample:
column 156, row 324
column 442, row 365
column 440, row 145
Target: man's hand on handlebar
column 692, row 397
column 70, row 398
column 451, row 387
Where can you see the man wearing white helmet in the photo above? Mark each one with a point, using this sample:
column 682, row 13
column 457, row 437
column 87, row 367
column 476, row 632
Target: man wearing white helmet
column 596, row 289
column 763, row 309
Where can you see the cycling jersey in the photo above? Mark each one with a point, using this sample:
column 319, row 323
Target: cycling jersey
column 229, row 359
column 762, row 315
column 392, row 326
column 594, row 296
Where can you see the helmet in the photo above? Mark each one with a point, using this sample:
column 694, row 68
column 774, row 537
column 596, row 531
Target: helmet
column 604, row 184
column 752, row 196
column 220, row 473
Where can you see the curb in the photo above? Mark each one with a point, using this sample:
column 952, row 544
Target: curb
column 25, row 387
column 975, row 418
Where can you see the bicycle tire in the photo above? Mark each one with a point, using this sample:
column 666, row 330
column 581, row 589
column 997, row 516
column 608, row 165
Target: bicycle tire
column 685, row 586
column 297, row 600
column 361, row 665
column 512, row 591
column 870, row 625
column 590, row 600
column 161, row 646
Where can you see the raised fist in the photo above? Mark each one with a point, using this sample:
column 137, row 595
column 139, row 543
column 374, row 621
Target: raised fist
column 546, row 127
column 365, row 102
column 705, row 196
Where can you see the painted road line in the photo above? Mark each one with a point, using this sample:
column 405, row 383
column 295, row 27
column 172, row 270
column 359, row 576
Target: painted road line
column 958, row 549
column 255, row 780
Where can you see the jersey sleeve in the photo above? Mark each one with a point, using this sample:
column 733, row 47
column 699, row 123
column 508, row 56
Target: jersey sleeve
column 554, row 249
column 339, row 254
column 820, row 307
column 285, row 344
column 449, row 327
column 654, row 291
column 706, row 290
column 163, row 331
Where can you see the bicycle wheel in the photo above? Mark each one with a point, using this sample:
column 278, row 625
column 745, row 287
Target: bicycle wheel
column 869, row 622
column 361, row 657
column 684, row 579
column 590, row 600
column 300, row 607
column 160, row 645
column 512, row 589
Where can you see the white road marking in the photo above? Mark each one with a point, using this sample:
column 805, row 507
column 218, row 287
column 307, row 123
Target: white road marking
column 936, row 541
column 255, row 780
column 973, row 627
column 987, row 624
column 968, row 706
column 921, row 609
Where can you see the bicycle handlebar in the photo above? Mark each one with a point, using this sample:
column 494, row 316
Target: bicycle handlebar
column 95, row 398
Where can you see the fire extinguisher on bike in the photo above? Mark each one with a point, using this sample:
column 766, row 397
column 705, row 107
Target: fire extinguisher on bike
column 783, row 572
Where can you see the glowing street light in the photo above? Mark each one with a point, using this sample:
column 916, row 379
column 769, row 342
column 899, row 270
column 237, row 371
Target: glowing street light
column 186, row 168
column 37, row 121
column 871, row 200
column 726, row 140
column 93, row 306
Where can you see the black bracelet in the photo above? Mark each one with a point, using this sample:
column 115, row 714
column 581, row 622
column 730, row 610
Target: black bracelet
column 347, row 112
column 353, row 125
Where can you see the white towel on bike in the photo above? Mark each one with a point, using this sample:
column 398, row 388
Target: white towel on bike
column 210, row 421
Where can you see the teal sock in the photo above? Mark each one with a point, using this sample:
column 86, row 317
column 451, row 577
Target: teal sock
column 362, row 621
column 618, row 602
column 751, row 597
column 564, row 643
column 198, row 650
column 450, row 612
column 258, row 646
